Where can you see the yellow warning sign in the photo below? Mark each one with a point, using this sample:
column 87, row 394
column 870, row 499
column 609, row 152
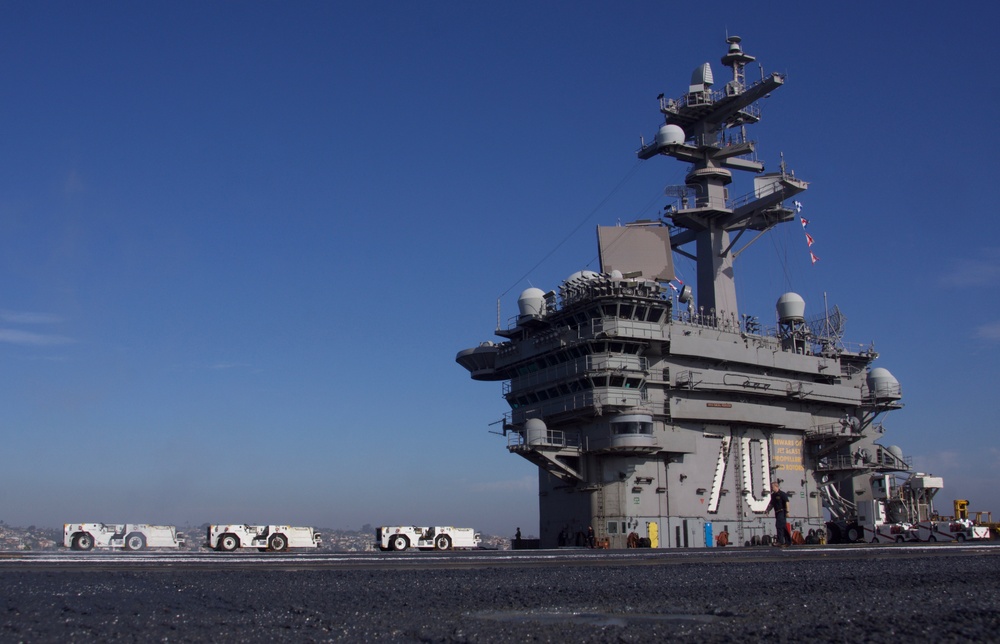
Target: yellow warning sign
column 786, row 453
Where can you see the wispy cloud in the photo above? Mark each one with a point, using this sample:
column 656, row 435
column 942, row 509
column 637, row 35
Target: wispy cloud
column 14, row 336
column 229, row 365
column 30, row 338
column 989, row 332
column 969, row 272
column 28, row 317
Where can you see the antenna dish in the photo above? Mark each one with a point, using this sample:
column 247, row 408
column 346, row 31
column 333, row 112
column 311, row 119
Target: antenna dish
column 828, row 325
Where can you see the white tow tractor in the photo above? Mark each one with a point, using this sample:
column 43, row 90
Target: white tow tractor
column 960, row 527
column 891, row 533
column 130, row 536
column 272, row 538
column 951, row 530
column 399, row 538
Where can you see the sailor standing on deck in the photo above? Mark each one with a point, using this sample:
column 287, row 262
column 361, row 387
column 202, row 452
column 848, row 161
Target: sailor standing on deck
column 779, row 503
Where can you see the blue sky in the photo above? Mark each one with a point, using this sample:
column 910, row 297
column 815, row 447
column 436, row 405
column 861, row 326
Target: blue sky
column 241, row 243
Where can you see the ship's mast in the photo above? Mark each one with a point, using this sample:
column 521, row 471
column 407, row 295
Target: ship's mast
column 695, row 132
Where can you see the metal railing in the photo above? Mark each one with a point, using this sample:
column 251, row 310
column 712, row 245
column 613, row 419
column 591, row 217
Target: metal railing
column 592, row 401
column 705, row 97
column 552, row 438
column 759, row 193
column 579, row 367
column 620, row 328
column 859, row 461
column 884, row 391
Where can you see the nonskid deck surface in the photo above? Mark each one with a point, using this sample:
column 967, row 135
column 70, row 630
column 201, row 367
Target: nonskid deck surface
column 79, row 561
column 890, row 593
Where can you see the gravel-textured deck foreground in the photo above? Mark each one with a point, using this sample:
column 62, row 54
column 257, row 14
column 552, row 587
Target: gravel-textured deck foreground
column 775, row 597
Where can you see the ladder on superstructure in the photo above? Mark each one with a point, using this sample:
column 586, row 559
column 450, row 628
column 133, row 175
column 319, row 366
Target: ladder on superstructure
column 740, row 493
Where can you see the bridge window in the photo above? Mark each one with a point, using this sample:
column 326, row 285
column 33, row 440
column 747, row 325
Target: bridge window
column 632, row 427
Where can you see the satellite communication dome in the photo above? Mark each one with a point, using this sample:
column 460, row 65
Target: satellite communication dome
column 791, row 308
column 616, row 274
column 535, row 431
column 883, row 384
column 531, row 303
column 670, row 135
column 896, row 451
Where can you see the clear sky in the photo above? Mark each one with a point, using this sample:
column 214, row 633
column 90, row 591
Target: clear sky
column 242, row 242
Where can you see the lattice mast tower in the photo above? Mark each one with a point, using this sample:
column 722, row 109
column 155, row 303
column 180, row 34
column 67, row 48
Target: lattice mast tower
column 698, row 129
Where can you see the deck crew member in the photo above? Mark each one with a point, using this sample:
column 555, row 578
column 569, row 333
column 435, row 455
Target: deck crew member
column 779, row 503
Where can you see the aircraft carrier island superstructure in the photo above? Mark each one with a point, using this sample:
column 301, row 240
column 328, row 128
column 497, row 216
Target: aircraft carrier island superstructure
column 659, row 410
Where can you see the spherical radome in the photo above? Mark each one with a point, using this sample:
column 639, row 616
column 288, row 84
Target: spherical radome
column 670, row 134
column 791, row 307
column 531, row 302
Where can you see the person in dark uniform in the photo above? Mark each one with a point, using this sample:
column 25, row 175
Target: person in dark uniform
column 779, row 503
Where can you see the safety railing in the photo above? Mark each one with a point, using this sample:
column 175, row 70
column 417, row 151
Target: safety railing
column 548, row 438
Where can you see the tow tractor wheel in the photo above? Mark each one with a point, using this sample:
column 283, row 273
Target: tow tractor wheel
column 899, row 539
column 932, row 538
column 399, row 543
column 277, row 543
column 228, row 542
column 853, row 533
column 135, row 541
column 83, row 541
column 960, row 537
column 442, row 542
